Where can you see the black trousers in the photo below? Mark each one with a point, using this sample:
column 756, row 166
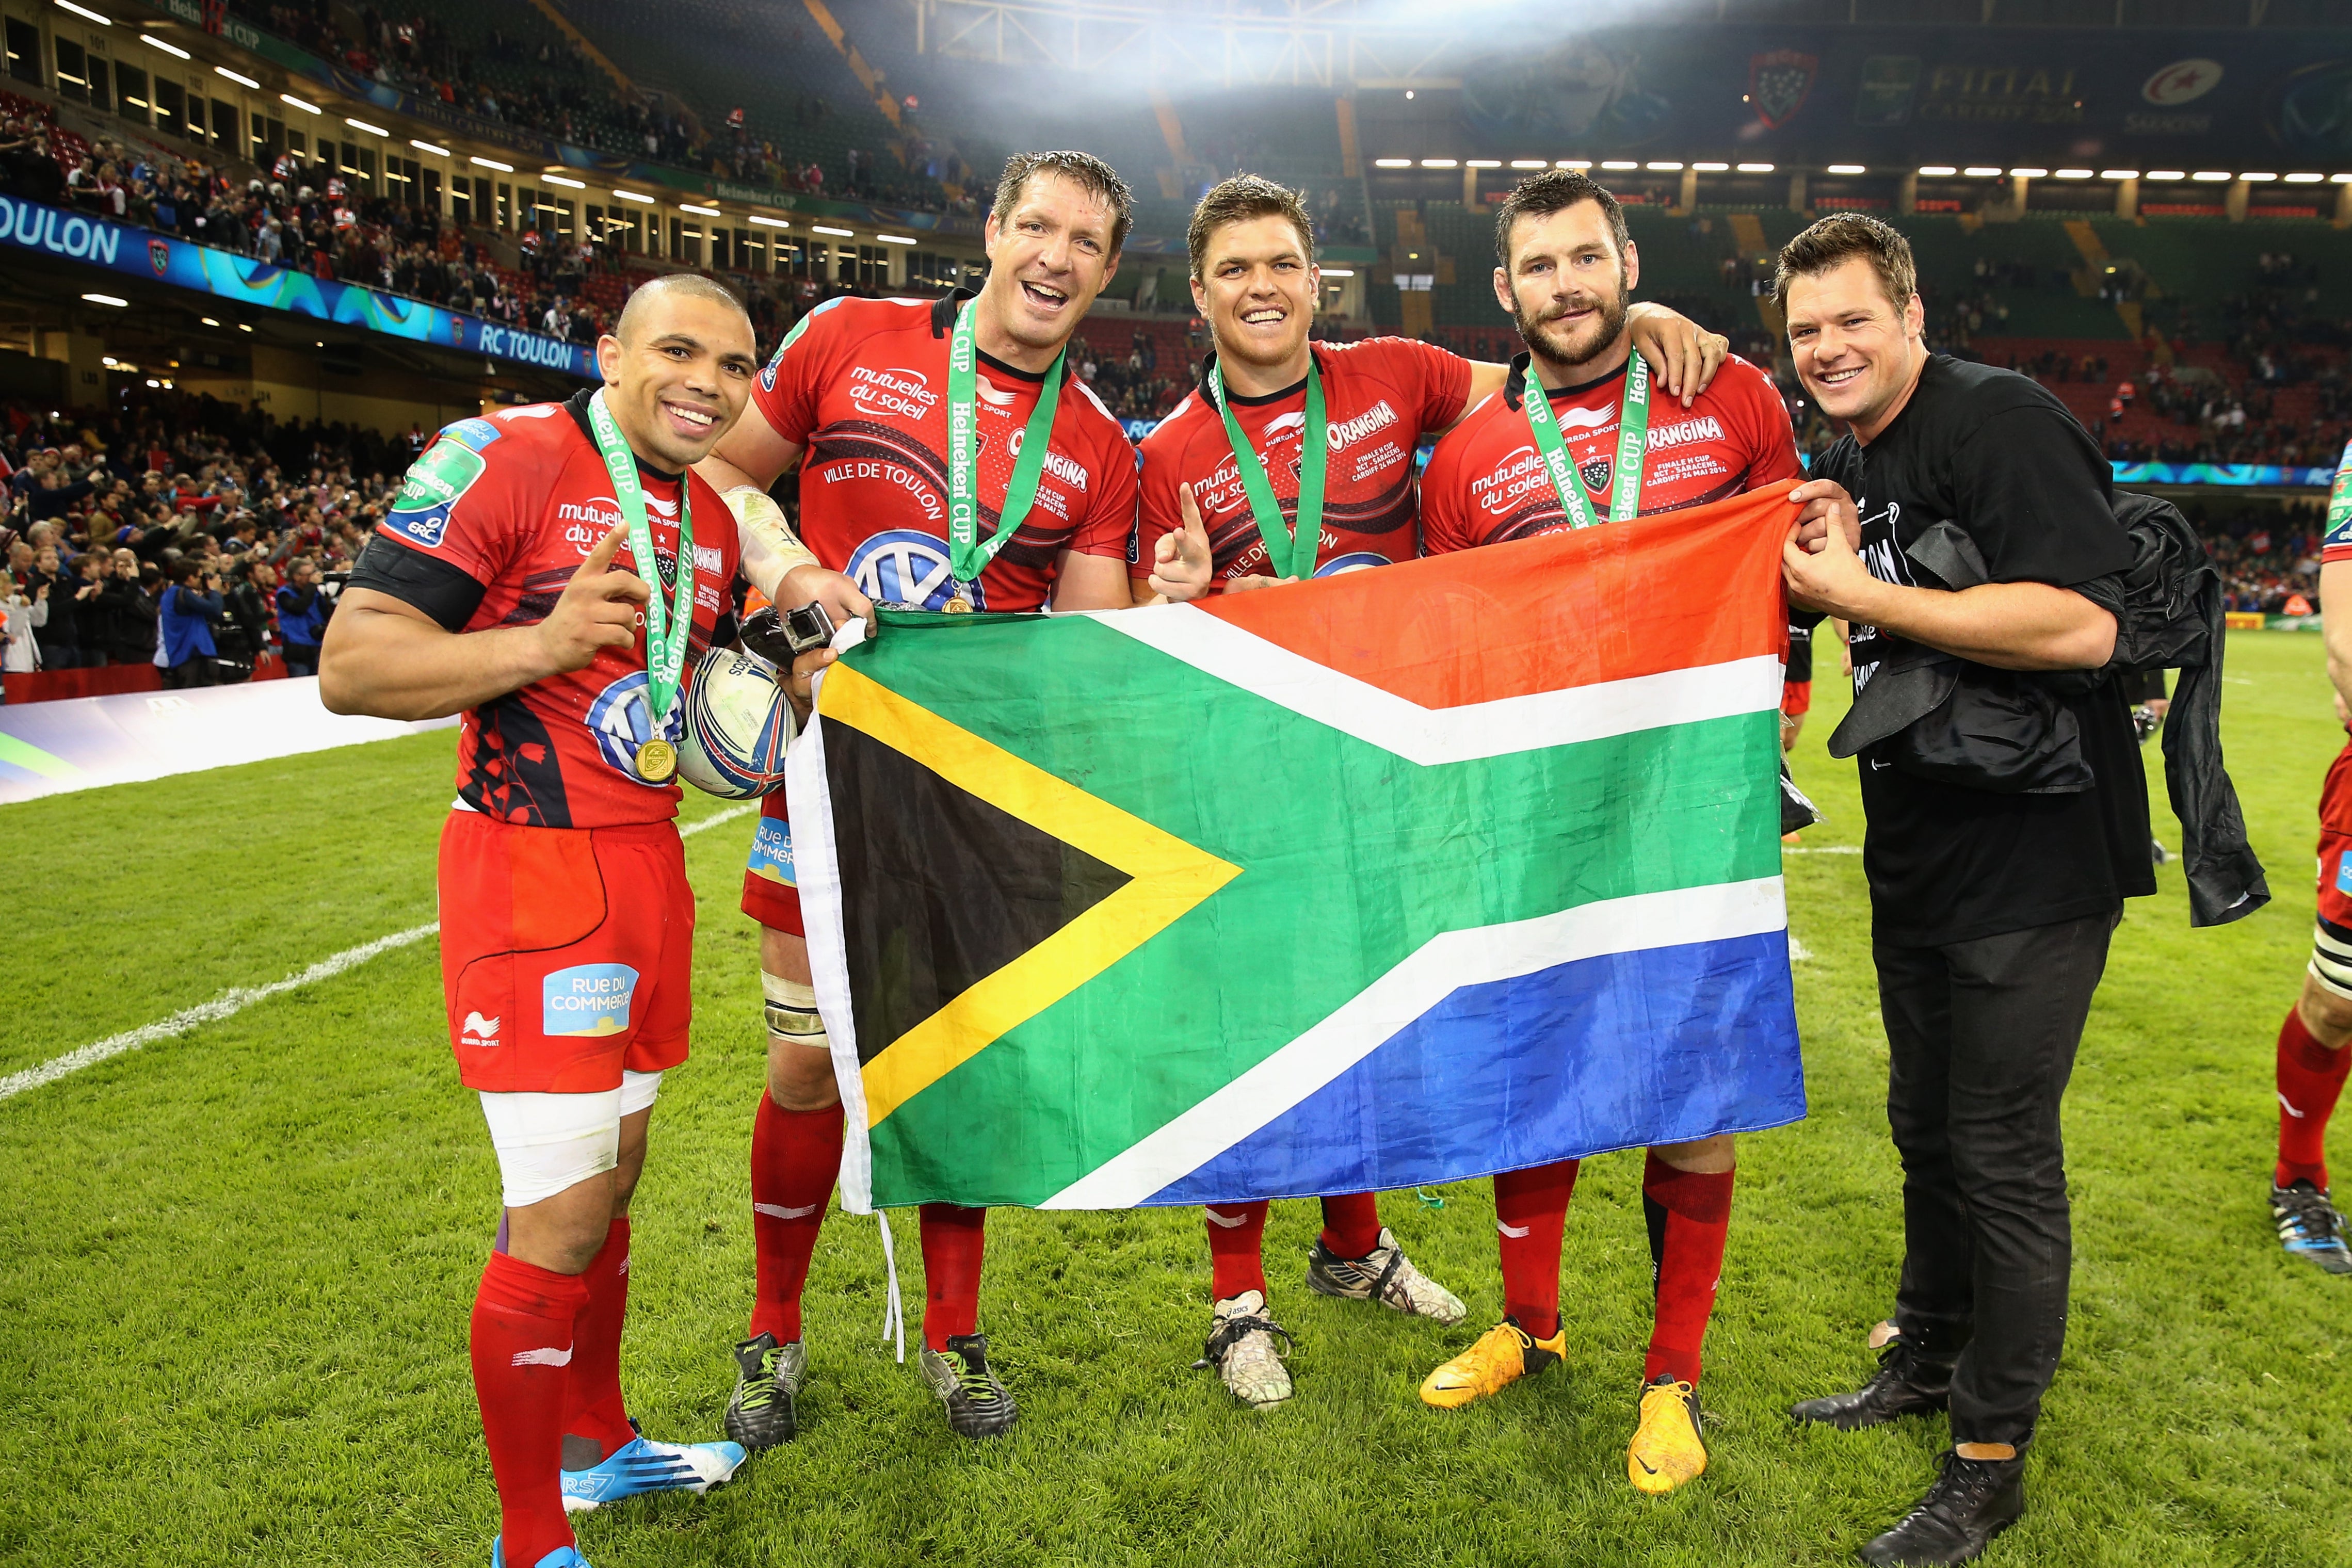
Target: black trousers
column 1981, row 1041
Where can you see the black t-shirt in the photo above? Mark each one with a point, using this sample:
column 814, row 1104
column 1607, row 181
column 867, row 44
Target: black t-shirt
column 1994, row 453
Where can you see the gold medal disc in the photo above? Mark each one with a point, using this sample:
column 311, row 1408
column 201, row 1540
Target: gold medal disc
column 958, row 605
column 657, row 761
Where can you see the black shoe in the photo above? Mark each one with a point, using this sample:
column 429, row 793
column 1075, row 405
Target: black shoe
column 768, row 1380
column 1907, row 1383
column 1972, row 1501
column 2309, row 1227
column 979, row 1405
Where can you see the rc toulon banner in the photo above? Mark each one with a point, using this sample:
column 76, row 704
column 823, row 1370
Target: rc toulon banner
column 1392, row 878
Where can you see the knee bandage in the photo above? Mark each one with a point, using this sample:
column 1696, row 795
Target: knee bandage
column 2331, row 961
column 792, row 1012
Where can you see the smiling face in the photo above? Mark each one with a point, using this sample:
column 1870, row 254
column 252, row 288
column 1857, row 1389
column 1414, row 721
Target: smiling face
column 678, row 375
column 1048, row 259
column 1856, row 350
column 1258, row 291
column 1567, row 287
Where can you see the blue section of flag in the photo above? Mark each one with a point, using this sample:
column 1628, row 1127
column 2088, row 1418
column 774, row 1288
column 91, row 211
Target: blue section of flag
column 1658, row 1046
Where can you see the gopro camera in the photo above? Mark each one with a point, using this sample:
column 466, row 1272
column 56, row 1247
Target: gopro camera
column 808, row 628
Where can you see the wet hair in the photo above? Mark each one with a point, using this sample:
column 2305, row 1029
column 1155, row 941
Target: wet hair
column 1081, row 168
column 1239, row 200
column 1837, row 239
column 1553, row 190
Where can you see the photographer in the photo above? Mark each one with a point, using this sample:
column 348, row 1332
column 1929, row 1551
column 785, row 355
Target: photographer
column 191, row 607
column 302, row 612
column 245, row 637
column 1992, row 896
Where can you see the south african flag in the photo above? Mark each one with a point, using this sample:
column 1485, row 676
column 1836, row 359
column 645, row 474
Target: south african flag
column 1392, row 878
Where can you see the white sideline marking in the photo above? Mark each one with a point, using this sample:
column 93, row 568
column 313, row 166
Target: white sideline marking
column 1821, row 849
column 237, row 999
column 1797, row 952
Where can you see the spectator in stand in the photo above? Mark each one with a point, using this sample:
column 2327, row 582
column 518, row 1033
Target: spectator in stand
column 21, row 618
column 302, row 612
column 128, row 612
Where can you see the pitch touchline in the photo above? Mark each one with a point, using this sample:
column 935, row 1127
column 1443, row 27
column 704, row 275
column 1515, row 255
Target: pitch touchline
column 238, row 998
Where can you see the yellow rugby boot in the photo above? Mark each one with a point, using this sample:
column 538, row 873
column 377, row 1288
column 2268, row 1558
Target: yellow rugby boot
column 1666, row 1451
column 1504, row 1354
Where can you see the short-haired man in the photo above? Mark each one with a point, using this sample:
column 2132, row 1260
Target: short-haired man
column 876, row 392
column 491, row 589
column 2315, row 1042
column 1277, row 423
column 1990, row 912
column 303, row 613
column 1539, row 456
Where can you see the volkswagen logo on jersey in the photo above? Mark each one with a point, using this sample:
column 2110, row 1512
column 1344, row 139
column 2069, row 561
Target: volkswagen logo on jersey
column 907, row 566
column 1354, row 560
column 619, row 721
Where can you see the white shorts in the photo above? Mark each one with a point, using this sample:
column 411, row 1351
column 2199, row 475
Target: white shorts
column 547, row 1143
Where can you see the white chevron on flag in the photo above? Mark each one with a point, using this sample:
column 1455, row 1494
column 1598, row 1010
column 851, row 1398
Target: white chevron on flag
column 1431, row 737
column 1435, row 970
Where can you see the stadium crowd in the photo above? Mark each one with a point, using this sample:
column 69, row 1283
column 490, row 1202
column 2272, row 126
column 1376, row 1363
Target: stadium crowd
column 180, row 531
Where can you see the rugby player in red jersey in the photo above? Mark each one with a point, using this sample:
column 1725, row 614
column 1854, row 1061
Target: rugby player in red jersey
column 859, row 394
column 2315, row 1042
column 543, row 572
column 1567, row 269
column 1364, row 408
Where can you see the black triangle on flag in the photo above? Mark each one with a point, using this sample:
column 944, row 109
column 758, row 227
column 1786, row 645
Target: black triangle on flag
column 940, row 888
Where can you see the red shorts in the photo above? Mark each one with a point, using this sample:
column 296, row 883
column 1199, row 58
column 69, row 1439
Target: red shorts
column 2336, row 842
column 772, row 893
column 567, row 953
column 1796, row 698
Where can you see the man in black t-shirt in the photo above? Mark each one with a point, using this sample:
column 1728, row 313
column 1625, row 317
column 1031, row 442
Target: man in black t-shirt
column 1990, row 912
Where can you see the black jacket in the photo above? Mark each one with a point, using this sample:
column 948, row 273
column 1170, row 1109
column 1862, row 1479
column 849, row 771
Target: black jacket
column 2007, row 731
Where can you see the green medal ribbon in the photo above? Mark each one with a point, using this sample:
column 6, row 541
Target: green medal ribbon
column 967, row 556
column 666, row 635
column 1624, row 470
column 1289, row 550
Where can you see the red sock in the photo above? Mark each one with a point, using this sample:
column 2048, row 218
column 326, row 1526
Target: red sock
column 1352, row 1224
column 1236, row 1249
column 2310, row 1077
column 592, row 1402
column 953, row 1240
column 795, row 1157
column 1689, row 1214
column 523, row 1345
column 1530, row 1209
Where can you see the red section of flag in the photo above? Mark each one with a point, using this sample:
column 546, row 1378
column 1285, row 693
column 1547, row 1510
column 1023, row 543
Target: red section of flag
column 1665, row 593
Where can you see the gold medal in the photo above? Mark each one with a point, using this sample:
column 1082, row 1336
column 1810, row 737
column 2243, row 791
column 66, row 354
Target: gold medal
column 958, row 605
column 657, row 761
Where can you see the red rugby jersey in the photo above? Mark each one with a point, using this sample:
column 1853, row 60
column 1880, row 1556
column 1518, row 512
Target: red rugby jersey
column 1486, row 482
column 862, row 385
column 495, row 517
column 1380, row 395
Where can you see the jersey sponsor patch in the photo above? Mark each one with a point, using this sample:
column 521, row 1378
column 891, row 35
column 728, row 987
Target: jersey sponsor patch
column 420, row 513
column 771, row 853
column 587, row 999
column 908, row 566
column 2344, row 873
column 620, row 719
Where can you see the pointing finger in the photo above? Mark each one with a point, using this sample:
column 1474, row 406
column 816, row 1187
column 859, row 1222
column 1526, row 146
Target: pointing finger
column 600, row 559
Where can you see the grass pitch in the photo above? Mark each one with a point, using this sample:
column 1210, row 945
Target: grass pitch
column 239, row 1262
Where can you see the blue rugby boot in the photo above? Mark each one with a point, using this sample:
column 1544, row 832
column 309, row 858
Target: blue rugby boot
column 641, row 1466
column 561, row 1557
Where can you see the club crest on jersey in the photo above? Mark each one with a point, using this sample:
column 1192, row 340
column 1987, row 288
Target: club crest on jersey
column 622, row 721
column 1595, row 473
column 587, row 999
column 907, row 566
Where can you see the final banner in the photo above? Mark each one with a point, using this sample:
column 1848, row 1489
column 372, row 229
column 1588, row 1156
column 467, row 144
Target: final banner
column 1386, row 879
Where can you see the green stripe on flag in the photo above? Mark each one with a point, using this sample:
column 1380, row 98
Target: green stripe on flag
column 1351, row 859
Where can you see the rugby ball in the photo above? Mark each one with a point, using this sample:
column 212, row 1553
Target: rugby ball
column 737, row 724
